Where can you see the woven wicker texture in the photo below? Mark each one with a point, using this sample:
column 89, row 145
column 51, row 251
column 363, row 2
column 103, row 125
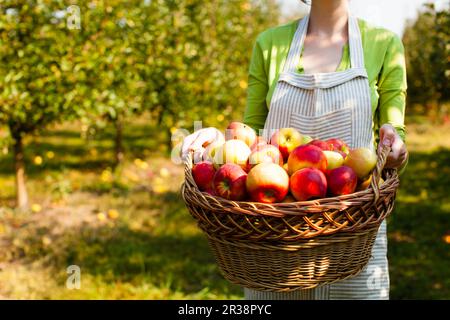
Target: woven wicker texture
column 291, row 246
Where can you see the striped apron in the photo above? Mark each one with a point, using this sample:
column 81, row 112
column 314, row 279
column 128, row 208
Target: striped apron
column 330, row 105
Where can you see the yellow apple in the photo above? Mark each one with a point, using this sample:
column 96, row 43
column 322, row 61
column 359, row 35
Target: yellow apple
column 211, row 150
column 366, row 183
column 362, row 161
column 334, row 159
column 232, row 151
column 286, row 140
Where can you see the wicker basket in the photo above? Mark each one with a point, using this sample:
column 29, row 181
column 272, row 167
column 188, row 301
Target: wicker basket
column 292, row 246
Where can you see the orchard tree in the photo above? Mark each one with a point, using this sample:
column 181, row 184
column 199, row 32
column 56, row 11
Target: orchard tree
column 37, row 82
column 115, row 63
column 203, row 51
column 427, row 50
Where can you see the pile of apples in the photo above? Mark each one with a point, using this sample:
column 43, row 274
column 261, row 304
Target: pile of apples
column 290, row 167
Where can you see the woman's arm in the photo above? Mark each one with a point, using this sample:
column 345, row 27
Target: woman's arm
column 392, row 90
column 256, row 110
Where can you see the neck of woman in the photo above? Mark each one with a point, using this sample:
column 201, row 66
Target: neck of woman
column 328, row 18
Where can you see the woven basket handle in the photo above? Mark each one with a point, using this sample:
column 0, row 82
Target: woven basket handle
column 187, row 162
column 376, row 175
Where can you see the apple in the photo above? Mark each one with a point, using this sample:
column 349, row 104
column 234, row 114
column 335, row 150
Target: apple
column 308, row 183
column 306, row 139
column 366, row 183
column 342, row 180
column 289, row 198
column 286, row 140
column 343, row 154
column 259, row 143
column 285, row 167
column 267, row 183
column 362, row 161
column 240, row 131
column 203, row 173
column 232, row 151
column 321, row 144
column 229, row 182
column 334, row 159
column 211, row 149
column 338, row 145
column 307, row 156
column 211, row 191
column 267, row 153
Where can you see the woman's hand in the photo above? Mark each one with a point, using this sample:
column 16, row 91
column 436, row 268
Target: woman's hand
column 198, row 140
column 399, row 154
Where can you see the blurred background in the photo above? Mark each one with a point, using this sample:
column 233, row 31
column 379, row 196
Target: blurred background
column 91, row 93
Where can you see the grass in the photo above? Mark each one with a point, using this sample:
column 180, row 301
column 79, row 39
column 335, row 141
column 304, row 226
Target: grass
column 132, row 237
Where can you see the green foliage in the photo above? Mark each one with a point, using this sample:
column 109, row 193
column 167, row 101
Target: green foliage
column 36, row 83
column 179, row 60
column 427, row 50
column 208, row 46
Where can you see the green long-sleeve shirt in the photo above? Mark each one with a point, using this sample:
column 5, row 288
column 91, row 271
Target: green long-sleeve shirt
column 384, row 61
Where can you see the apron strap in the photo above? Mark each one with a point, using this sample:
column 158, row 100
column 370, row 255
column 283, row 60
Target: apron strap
column 355, row 43
column 354, row 40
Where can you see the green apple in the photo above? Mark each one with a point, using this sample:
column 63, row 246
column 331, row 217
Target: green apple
column 306, row 139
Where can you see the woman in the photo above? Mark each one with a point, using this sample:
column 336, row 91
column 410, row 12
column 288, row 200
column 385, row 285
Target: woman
column 330, row 75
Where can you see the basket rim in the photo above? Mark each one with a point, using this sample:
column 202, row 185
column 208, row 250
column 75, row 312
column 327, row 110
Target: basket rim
column 372, row 194
column 391, row 179
column 294, row 208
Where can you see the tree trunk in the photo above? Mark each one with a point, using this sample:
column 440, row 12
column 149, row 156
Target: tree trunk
column 19, row 163
column 119, row 151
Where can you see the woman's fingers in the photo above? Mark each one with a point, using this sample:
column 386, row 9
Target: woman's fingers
column 199, row 139
column 387, row 135
column 396, row 147
column 198, row 155
column 390, row 137
column 205, row 137
column 187, row 143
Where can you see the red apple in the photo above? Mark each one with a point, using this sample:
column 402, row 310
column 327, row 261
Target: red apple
column 286, row 140
column 308, row 183
column 306, row 156
column 338, row 145
column 267, row 183
column 259, row 143
column 267, row 153
column 229, row 182
column 342, row 180
column 211, row 191
column 240, row 131
column 321, row 144
column 203, row 173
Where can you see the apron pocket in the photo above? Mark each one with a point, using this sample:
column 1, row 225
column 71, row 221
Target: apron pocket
column 336, row 124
